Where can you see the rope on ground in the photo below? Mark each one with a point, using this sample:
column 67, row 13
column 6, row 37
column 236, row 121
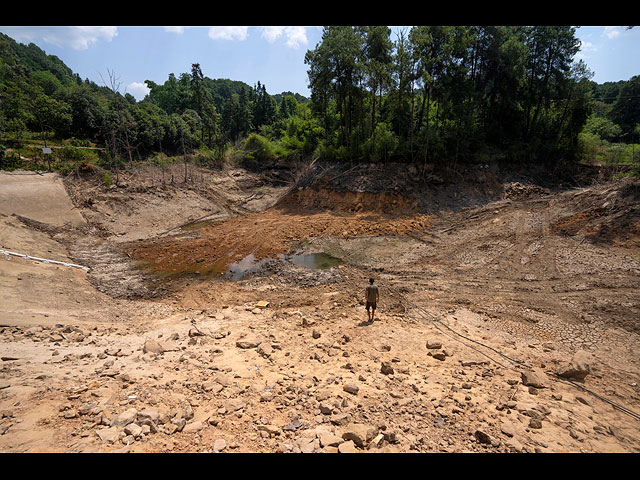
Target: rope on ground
column 44, row 260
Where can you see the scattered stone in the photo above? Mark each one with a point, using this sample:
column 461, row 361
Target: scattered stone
column 265, row 350
column 235, row 404
column 108, row 435
column 582, row 400
column 133, row 429
column 266, row 396
column 434, row 344
column 534, row 378
column 473, row 363
column 246, row 343
column 85, row 409
column 386, row 368
column 578, row 368
column 307, row 445
column 170, row 428
column 187, row 412
column 347, row 447
column 219, row 445
column 270, row 430
column 123, row 377
column 438, row 355
column 194, row 332
column 153, row 346
column 352, row 389
column 535, row 423
column 212, row 386
column 328, row 439
column 179, row 423
column 376, row 442
column 148, row 415
column 340, row 419
column 125, row 418
column 292, row 426
column 193, row 427
column 482, row 437
column 508, row 429
column 360, row 434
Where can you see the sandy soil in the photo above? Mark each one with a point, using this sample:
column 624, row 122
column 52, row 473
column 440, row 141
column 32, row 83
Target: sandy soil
column 478, row 296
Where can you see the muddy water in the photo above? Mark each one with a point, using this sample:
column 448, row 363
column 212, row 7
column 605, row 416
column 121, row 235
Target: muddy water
column 249, row 264
column 316, row 261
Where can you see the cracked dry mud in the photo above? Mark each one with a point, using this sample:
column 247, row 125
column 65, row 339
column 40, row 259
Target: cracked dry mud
column 476, row 295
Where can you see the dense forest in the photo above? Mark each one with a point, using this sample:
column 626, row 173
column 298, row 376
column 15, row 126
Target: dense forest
column 427, row 95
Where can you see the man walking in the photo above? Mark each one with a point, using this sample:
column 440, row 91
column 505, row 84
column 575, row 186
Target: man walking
column 371, row 297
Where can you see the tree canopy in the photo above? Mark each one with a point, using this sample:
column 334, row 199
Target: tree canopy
column 426, row 94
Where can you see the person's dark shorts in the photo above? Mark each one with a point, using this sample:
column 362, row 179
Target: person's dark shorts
column 372, row 305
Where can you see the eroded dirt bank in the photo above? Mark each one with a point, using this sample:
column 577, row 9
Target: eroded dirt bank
column 486, row 298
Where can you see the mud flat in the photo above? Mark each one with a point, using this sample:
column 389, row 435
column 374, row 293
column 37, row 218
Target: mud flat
column 507, row 322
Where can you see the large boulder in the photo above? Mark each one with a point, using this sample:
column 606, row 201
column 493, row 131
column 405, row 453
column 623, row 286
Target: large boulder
column 578, row 368
column 359, row 434
column 534, row 378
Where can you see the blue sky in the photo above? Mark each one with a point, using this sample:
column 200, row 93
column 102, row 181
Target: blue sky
column 272, row 55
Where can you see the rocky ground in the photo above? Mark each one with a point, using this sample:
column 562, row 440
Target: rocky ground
column 507, row 320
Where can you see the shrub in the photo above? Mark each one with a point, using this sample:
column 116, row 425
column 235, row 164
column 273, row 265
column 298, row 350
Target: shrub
column 106, row 179
column 212, row 157
column 259, row 148
column 76, row 155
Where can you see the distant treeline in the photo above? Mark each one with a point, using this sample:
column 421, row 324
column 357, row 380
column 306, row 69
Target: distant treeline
column 431, row 94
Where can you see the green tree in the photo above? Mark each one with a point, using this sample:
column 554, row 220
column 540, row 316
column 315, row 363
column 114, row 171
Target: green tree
column 336, row 73
column 626, row 108
column 551, row 51
column 204, row 106
column 174, row 96
column 378, row 49
column 287, row 107
column 49, row 113
column 86, row 109
column 264, row 109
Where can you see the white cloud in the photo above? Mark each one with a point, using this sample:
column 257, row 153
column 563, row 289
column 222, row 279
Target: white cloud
column 78, row 38
column 612, row 32
column 586, row 49
column 228, row 33
column 294, row 35
column 271, row 34
column 138, row 90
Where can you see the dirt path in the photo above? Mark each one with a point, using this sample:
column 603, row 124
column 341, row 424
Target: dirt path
column 472, row 299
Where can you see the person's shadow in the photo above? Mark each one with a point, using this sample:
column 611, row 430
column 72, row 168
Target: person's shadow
column 365, row 323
